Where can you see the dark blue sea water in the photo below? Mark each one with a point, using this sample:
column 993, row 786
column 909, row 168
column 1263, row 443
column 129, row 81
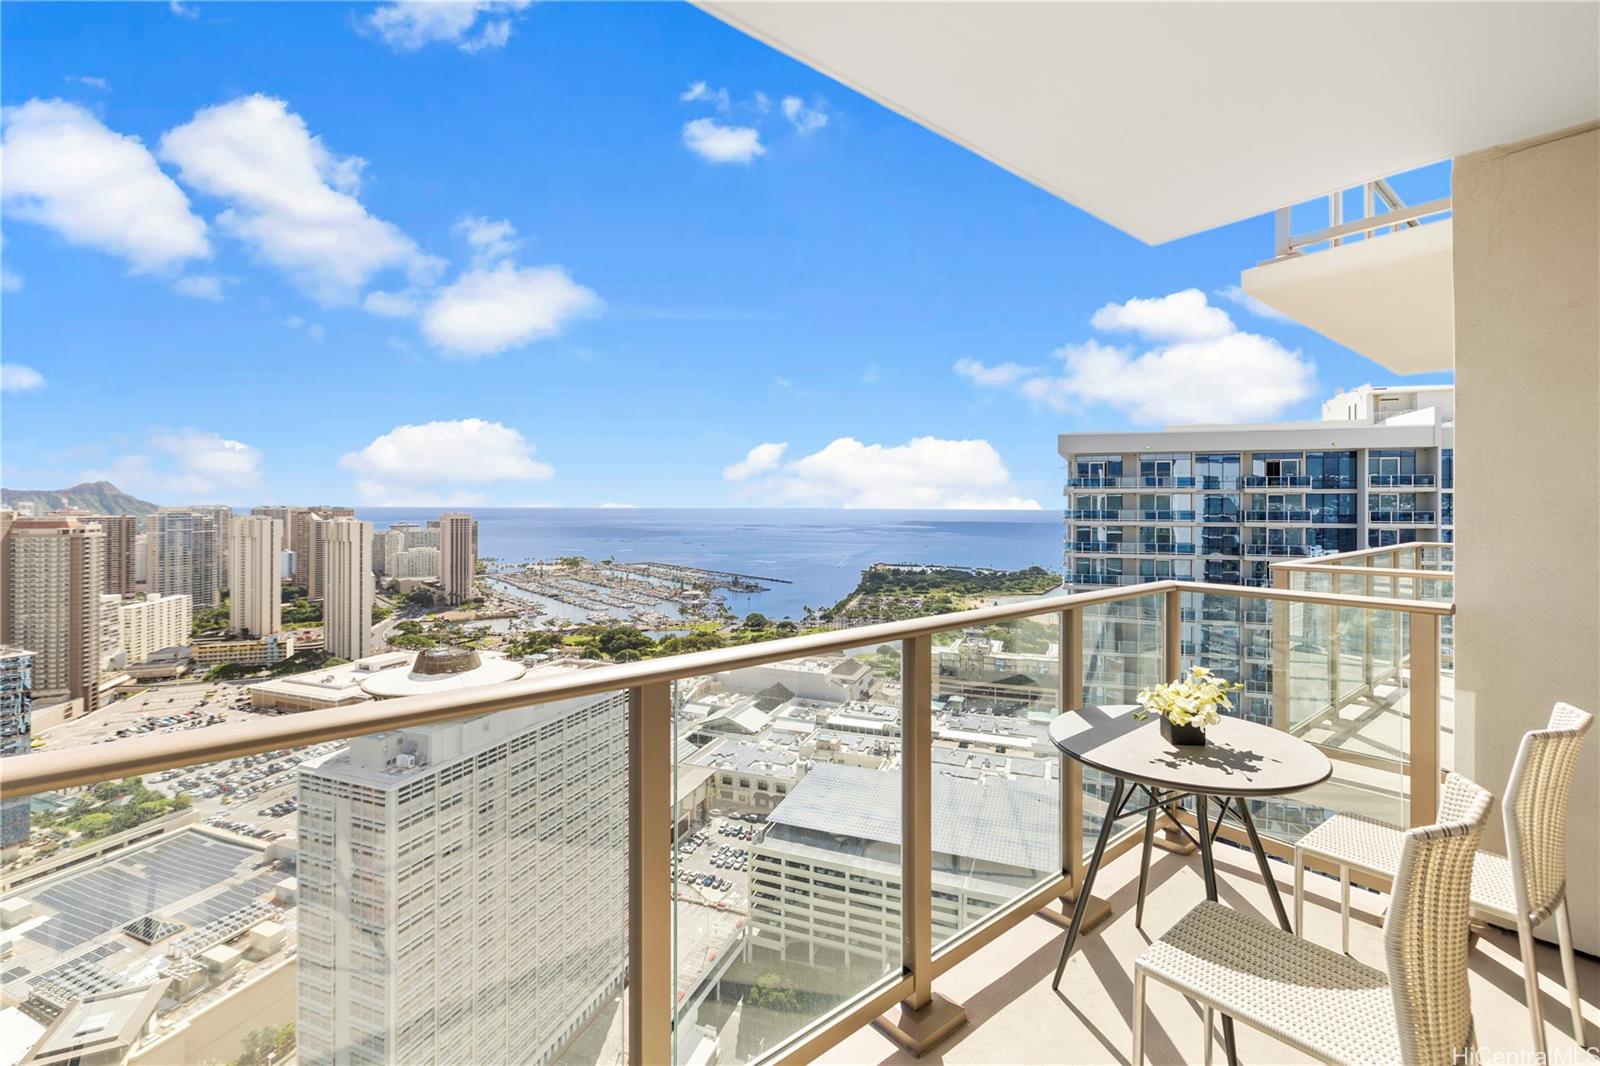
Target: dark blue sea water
column 822, row 553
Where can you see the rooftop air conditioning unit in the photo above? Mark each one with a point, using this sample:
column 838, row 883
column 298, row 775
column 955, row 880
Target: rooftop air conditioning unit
column 405, row 762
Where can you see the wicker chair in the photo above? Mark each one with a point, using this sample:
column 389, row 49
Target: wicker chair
column 1328, row 1005
column 1522, row 890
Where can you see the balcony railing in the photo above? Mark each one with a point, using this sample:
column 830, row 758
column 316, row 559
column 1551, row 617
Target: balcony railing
column 1382, row 211
column 1385, row 481
column 1092, row 515
column 1130, row 481
column 1130, row 547
column 1401, row 518
column 560, row 767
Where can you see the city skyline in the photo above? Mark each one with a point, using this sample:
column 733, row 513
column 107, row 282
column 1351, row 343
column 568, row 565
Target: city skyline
column 832, row 265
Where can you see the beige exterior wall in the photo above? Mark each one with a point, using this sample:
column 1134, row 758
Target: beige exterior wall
column 217, row 1033
column 1527, row 297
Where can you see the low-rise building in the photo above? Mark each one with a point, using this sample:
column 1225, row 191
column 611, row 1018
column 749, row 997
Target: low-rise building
column 332, row 686
column 248, row 651
column 825, row 876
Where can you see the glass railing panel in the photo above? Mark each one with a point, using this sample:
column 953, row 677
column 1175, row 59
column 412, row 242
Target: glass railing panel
column 455, row 892
column 1122, row 653
column 787, row 844
column 996, row 776
column 1335, row 676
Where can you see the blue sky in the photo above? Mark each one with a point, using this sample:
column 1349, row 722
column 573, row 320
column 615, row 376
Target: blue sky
column 570, row 254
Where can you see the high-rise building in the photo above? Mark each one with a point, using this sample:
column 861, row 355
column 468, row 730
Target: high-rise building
column 463, row 886
column 182, row 547
column 255, row 606
column 1219, row 503
column 154, row 623
column 305, row 530
column 16, row 732
column 222, row 519
column 458, row 555
column 55, row 570
column 347, row 604
column 415, row 562
column 122, row 533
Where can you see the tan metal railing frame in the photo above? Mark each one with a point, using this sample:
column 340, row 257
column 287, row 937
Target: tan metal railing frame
column 650, row 1000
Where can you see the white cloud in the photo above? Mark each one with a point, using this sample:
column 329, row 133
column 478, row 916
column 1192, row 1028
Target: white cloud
column 1180, row 316
column 186, row 464
column 982, row 373
column 699, row 91
column 617, row 506
column 427, row 463
column 182, row 10
column 758, row 460
column 290, row 198
column 716, row 143
column 200, row 286
column 1238, row 297
column 470, row 26
column 925, row 472
column 803, row 117
column 1238, row 378
column 91, row 81
column 491, row 239
column 489, row 310
column 14, row 377
column 391, row 304
column 97, row 188
column 1199, row 367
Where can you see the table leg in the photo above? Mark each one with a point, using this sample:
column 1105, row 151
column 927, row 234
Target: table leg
column 1088, row 879
column 1240, row 805
column 1201, row 802
column 1144, row 860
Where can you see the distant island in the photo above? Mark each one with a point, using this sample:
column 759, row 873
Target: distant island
column 98, row 497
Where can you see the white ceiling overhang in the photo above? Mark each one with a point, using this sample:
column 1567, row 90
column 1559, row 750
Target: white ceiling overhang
column 1170, row 119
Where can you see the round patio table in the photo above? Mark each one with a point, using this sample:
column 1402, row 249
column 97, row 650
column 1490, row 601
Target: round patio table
column 1239, row 761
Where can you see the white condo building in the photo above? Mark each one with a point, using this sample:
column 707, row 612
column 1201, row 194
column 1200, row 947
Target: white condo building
column 255, row 605
column 348, row 595
column 415, row 563
column 183, row 550
column 458, row 555
column 1220, row 503
column 153, row 623
column 463, row 886
column 52, row 573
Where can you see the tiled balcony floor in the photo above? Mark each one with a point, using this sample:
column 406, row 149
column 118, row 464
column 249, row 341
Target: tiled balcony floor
column 1014, row 1017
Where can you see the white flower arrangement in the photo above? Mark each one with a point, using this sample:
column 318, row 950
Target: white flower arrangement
column 1197, row 699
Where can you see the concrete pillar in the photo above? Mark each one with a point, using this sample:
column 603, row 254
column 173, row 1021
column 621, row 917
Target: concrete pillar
column 1527, row 325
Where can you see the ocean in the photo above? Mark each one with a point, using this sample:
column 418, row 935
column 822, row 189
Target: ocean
column 820, row 553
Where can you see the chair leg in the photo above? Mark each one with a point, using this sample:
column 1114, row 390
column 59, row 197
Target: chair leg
column 1531, row 982
column 1138, row 1017
column 1299, row 893
column 1344, row 908
column 1210, row 1043
column 1569, row 969
column 1144, row 865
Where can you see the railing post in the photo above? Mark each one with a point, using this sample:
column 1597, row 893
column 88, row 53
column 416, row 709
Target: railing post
column 923, row 1018
column 1280, row 233
column 1071, row 689
column 1172, row 636
column 650, row 821
column 1423, row 739
column 1336, row 214
column 1282, row 622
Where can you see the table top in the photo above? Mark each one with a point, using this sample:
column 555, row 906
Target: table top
column 1239, row 758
